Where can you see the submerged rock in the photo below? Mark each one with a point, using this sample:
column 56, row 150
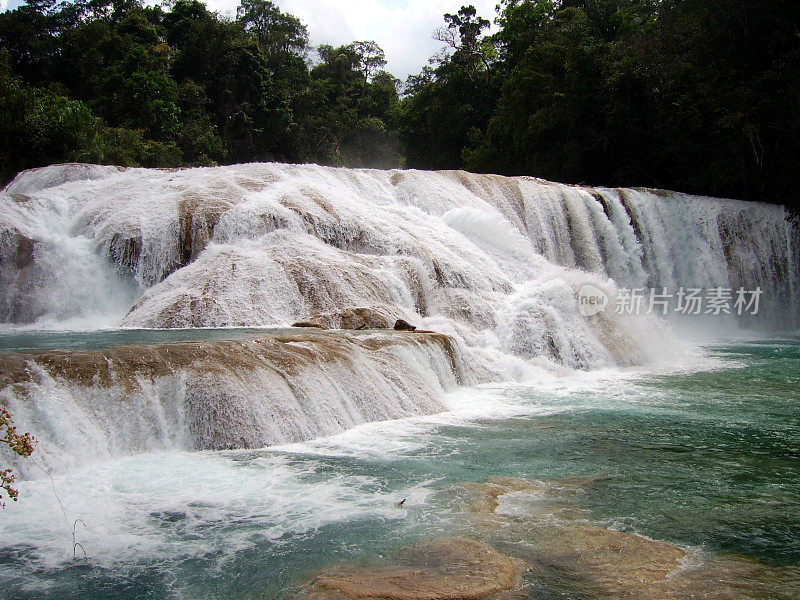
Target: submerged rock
column 446, row 569
column 543, row 524
column 531, row 539
column 563, row 549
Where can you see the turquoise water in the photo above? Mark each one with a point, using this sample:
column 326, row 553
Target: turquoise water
column 706, row 459
column 17, row 340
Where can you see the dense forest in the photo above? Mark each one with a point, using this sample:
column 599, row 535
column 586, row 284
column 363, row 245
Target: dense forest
column 701, row 96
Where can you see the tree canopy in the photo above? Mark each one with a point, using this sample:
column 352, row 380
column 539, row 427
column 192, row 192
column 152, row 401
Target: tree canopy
column 114, row 81
column 695, row 95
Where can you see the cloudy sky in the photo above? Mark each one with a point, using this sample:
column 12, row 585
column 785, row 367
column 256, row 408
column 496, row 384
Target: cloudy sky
column 402, row 28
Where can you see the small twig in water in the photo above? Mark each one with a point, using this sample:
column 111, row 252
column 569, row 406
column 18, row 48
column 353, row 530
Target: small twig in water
column 76, row 545
column 55, row 493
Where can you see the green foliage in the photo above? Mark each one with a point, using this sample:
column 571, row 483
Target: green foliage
column 130, row 148
column 40, row 127
column 345, row 114
column 276, row 32
column 548, row 118
column 445, row 106
column 698, row 95
column 114, row 81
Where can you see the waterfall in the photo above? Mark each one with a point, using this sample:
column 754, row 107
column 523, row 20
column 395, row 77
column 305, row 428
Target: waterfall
column 267, row 244
column 494, row 263
column 86, row 405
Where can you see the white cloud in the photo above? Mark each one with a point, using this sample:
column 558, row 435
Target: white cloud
column 402, row 28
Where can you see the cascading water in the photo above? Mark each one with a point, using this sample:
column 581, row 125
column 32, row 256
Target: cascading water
column 495, row 263
column 268, row 244
column 515, row 377
column 277, row 389
column 51, row 273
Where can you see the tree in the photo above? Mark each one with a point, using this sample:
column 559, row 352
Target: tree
column 275, row 31
column 371, row 58
column 39, row 127
column 450, row 102
column 347, row 108
column 696, row 95
column 20, row 444
column 249, row 110
column 29, row 36
column 550, row 117
column 462, row 33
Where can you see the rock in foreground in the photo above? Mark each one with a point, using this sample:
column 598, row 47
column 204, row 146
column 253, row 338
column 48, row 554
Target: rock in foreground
column 448, row 569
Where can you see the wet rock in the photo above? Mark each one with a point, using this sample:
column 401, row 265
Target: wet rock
column 125, row 252
column 199, row 216
column 605, row 563
column 21, row 301
column 248, row 393
column 308, row 324
column 446, row 569
column 737, row 577
column 564, row 552
column 25, row 248
column 546, row 496
column 353, row 318
column 362, row 318
column 401, row 325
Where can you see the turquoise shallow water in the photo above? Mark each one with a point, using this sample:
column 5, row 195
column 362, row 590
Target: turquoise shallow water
column 707, row 459
column 16, row 340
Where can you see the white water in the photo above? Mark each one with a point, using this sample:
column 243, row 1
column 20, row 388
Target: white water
column 267, row 244
column 177, row 507
column 218, row 395
column 493, row 262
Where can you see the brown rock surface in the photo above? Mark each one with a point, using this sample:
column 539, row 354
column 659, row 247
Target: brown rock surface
column 353, row 318
column 308, row 324
column 129, row 365
column 403, row 325
column 446, row 569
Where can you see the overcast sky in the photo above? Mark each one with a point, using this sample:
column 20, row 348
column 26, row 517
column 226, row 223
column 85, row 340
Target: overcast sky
column 402, row 28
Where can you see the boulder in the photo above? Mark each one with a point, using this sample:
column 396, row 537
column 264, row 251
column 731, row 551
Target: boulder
column 401, row 325
column 353, row 318
column 445, row 569
column 309, row 324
